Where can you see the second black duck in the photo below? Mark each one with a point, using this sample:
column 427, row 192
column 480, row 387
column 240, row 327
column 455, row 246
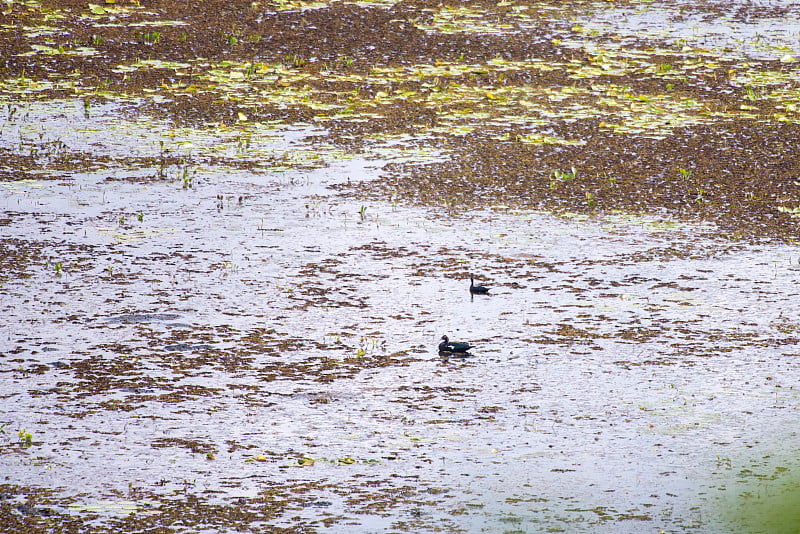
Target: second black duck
column 454, row 347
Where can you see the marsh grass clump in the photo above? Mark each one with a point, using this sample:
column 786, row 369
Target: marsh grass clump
column 151, row 38
column 25, row 438
column 294, row 61
column 560, row 177
column 752, row 94
column 58, row 267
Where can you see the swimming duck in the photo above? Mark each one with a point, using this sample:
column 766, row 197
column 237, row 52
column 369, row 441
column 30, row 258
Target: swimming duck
column 454, row 348
column 477, row 290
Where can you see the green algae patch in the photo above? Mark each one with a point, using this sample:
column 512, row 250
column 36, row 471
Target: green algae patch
column 450, row 20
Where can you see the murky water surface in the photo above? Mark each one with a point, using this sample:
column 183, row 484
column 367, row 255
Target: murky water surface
column 210, row 330
column 159, row 339
column 765, row 30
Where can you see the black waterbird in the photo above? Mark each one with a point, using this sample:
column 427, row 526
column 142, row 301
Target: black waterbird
column 477, row 290
column 447, row 347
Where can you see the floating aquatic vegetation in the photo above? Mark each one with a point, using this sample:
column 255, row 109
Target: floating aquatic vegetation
column 23, row 85
column 147, row 64
column 61, row 50
column 154, row 23
column 304, row 5
column 402, row 153
column 290, row 5
column 540, row 139
column 177, row 279
column 746, row 75
column 463, row 20
column 793, row 212
column 33, row 32
column 111, row 10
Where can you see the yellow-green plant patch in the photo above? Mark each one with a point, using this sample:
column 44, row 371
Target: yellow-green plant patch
column 97, row 11
column 157, row 23
column 290, row 5
column 368, row 3
column 463, row 19
column 43, row 30
column 147, row 64
column 60, row 50
column 745, row 75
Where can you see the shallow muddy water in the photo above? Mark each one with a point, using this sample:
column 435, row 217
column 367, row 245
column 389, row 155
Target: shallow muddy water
column 224, row 281
column 629, row 374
